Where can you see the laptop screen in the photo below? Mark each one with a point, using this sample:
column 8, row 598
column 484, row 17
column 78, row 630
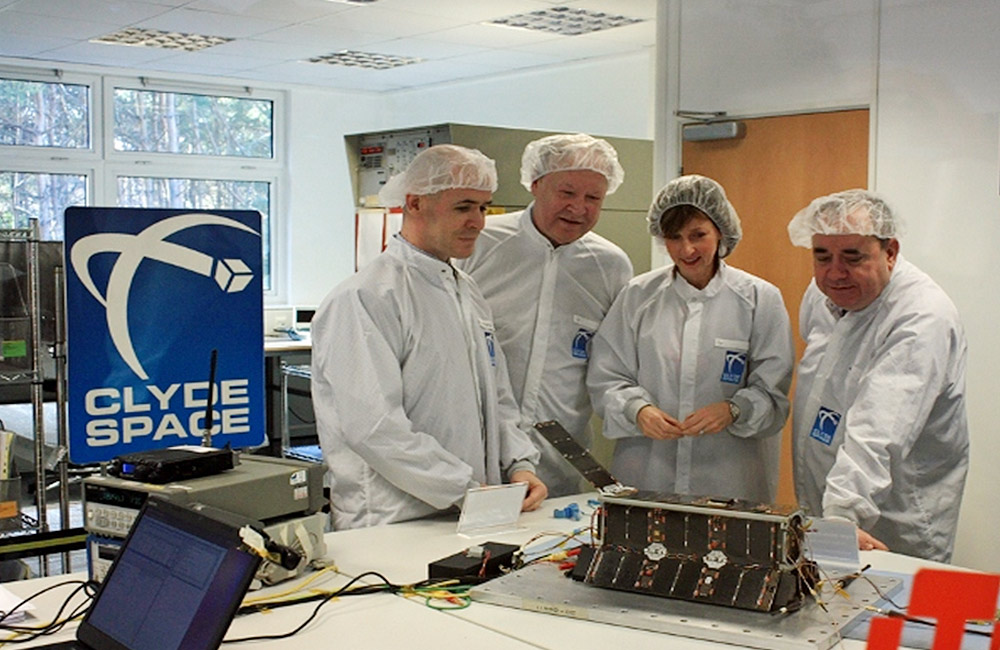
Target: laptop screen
column 175, row 585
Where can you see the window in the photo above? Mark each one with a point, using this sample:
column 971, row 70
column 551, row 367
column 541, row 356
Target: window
column 41, row 117
column 44, row 114
column 198, row 147
column 168, row 122
column 31, row 194
column 201, row 194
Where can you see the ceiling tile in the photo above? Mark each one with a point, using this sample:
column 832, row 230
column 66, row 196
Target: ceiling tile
column 272, row 37
column 102, row 54
column 390, row 23
column 29, row 45
column 113, row 12
column 283, row 11
column 321, row 40
column 209, row 23
column 18, row 22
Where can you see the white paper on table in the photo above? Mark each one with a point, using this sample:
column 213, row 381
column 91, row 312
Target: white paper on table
column 9, row 601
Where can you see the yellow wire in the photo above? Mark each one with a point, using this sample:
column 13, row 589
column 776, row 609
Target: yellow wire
column 291, row 590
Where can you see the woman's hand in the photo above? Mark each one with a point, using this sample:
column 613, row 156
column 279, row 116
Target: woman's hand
column 708, row 419
column 655, row 424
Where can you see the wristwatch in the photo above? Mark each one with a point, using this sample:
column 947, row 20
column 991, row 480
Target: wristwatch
column 734, row 410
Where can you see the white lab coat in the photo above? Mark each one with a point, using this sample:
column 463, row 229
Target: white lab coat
column 547, row 303
column 892, row 449
column 666, row 343
column 412, row 399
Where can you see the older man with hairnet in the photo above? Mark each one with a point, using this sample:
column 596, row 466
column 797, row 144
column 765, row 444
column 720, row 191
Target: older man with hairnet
column 412, row 399
column 692, row 365
column 880, row 430
column 550, row 280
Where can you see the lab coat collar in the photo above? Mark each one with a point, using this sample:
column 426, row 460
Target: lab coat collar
column 419, row 259
column 689, row 292
column 527, row 223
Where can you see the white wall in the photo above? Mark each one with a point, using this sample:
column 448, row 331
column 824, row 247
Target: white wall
column 928, row 69
column 773, row 56
column 611, row 97
column 319, row 221
column 938, row 147
column 321, row 213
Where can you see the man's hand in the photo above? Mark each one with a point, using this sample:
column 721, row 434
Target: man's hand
column 708, row 419
column 656, row 424
column 868, row 543
column 536, row 489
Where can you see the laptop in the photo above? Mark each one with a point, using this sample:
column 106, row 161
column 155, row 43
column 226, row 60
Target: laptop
column 176, row 584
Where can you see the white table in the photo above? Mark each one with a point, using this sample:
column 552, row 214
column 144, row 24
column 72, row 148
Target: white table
column 401, row 553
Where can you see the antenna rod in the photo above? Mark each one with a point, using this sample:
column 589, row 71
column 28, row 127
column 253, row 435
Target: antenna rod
column 206, row 438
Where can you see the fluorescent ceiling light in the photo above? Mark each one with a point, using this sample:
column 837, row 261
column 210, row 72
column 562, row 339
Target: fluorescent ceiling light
column 566, row 21
column 370, row 60
column 155, row 38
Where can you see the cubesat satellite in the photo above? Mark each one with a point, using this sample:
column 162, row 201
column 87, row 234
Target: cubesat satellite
column 724, row 552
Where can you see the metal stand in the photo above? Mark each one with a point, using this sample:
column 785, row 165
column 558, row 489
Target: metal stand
column 34, row 375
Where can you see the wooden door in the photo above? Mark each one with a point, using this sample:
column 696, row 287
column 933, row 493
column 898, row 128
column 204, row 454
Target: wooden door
column 770, row 174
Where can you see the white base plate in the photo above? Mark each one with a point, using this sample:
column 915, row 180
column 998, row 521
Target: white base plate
column 542, row 588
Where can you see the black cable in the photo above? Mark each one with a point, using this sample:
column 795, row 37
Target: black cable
column 346, row 590
column 298, row 416
column 388, row 586
column 29, row 633
column 80, row 583
column 921, row 621
column 360, row 591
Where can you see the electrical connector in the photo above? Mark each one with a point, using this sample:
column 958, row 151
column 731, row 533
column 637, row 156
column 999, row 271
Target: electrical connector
column 572, row 511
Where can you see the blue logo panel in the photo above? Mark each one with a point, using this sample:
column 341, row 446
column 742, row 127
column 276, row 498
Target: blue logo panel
column 149, row 295
column 581, row 343
column 734, row 367
column 491, row 348
column 825, row 426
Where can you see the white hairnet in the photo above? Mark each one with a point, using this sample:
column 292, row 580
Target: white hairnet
column 851, row 212
column 441, row 167
column 708, row 196
column 567, row 152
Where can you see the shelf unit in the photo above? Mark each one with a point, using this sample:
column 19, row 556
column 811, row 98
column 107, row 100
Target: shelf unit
column 26, row 367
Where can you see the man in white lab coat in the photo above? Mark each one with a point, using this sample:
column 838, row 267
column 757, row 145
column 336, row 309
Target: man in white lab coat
column 880, row 430
column 412, row 398
column 550, row 281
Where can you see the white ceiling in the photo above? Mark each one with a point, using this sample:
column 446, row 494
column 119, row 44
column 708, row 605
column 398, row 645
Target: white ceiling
column 274, row 38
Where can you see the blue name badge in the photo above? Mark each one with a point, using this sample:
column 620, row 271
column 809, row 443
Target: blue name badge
column 825, row 425
column 580, row 342
column 491, row 348
column 734, row 367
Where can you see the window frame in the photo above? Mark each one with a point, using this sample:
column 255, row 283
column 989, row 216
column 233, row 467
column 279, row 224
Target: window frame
column 102, row 165
column 198, row 166
column 206, row 172
column 59, row 154
column 191, row 88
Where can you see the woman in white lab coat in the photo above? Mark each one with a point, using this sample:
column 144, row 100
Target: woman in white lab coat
column 690, row 369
